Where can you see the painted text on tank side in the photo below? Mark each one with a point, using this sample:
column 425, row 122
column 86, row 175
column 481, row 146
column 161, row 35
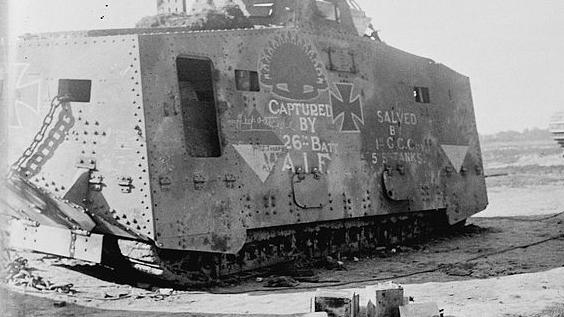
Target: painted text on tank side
column 277, row 107
column 396, row 117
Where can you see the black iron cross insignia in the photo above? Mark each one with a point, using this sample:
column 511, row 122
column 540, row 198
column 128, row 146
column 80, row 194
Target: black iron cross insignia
column 350, row 110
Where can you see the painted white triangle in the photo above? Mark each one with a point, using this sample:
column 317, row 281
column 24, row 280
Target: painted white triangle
column 260, row 158
column 456, row 154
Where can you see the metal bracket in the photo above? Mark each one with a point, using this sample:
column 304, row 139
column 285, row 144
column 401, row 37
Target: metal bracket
column 199, row 181
column 74, row 235
column 28, row 222
column 126, row 184
column 300, row 173
column 316, row 173
column 463, row 171
column 96, row 181
column 165, row 182
column 81, row 232
column 229, row 181
column 88, row 163
column 401, row 169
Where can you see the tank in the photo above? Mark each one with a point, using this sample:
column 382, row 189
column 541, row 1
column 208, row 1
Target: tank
column 196, row 153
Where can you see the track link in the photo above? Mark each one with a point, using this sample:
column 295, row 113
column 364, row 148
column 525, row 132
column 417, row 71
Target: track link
column 270, row 246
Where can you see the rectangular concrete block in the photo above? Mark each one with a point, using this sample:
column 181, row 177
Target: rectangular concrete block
column 419, row 310
column 388, row 300
column 336, row 303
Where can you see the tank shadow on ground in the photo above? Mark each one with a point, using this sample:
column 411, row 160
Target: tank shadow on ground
column 119, row 276
column 302, row 268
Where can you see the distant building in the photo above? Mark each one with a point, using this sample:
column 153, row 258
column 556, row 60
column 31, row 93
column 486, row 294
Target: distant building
column 186, row 6
column 556, row 127
column 171, row 6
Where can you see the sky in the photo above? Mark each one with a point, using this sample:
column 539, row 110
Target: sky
column 512, row 50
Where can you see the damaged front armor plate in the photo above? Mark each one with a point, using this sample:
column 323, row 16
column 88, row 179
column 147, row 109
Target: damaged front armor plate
column 59, row 241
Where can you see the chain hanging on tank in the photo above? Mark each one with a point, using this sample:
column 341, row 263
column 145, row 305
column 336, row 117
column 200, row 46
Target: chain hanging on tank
column 45, row 141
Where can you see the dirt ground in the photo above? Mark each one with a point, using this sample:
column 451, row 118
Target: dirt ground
column 507, row 261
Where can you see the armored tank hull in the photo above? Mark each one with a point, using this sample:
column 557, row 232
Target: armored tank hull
column 198, row 154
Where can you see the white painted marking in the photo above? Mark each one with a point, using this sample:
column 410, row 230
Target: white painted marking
column 260, row 158
column 456, row 154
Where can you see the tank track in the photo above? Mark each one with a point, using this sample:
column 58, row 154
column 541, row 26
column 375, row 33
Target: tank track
column 270, row 246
